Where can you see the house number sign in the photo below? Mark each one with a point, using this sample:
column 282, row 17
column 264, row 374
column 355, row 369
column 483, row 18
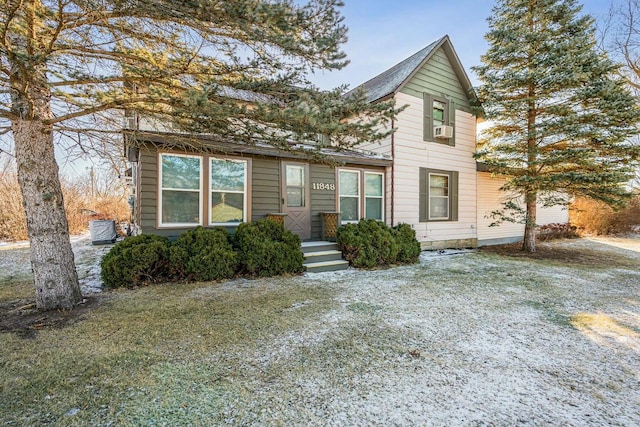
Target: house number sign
column 323, row 186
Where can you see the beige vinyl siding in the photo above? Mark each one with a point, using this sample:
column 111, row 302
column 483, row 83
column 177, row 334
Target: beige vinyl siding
column 552, row 215
column 265, row 194
column 388, row 185
column 382, row 147
column 412, row 153
column 438, row 78
column 490, row 198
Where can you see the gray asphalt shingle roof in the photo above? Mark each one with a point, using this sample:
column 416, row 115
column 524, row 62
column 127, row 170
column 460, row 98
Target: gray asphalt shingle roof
column 389, row 81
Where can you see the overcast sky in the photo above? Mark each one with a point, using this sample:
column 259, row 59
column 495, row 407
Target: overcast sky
column 382, row 33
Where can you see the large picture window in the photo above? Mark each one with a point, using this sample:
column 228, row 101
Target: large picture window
column 361, row 195
column 438, row 195
column 228, row 185
column 180, row 189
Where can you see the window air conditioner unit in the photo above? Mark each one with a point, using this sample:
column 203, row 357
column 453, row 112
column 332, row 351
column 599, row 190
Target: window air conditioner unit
column 443, row 132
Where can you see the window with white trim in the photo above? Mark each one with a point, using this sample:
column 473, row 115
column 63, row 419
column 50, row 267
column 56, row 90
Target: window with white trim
column 180, row 193
column 438, row 196
column 349, row 195
column 228, row 191
column 374, row 195
column 361, row 195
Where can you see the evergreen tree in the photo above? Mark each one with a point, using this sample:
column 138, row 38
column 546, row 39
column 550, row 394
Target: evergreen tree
column 64, row 64
column 560, row 117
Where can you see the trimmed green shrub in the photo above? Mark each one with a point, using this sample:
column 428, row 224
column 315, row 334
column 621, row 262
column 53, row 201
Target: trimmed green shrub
column 408, row 245
column 370, row 243
column 135, row 260
column 367, row 244
column 203, row 254
column 267, row 249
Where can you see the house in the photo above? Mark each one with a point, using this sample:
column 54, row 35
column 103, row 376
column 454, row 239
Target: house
column 179, row 189
column 424, row 174
column 434, row 183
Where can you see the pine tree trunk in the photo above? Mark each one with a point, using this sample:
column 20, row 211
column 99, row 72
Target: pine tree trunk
column 52, row 260
column 529, row 243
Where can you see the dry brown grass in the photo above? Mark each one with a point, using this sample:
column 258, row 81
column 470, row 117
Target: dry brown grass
column 109, row 201
column 596, row 218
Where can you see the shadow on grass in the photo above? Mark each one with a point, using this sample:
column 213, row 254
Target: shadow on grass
column 22, row 317
column 598, row 257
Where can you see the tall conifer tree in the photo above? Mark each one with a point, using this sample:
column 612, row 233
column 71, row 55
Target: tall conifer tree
column 64, row 63
column 559, row 117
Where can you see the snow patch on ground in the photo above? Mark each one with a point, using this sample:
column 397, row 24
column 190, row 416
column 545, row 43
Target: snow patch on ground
column 15, row 263
column 461, row 338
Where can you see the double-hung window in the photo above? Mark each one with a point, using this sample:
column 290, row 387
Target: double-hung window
column 228, row 191
column 361, row 195
column 374, row 195
column 438, row 110
column 438, row 195
column 180, row 190
column 349, row 193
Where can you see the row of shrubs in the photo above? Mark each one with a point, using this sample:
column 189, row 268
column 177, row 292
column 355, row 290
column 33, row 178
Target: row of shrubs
column 257, row 249
column 369, row 244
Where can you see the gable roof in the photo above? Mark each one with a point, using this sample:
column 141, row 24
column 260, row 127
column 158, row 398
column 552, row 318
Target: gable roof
column 392, row 80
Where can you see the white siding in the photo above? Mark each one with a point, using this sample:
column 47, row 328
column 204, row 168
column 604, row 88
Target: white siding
column 150, row 124
column 490, row 198
column 411, row 153
column 382, row 147
column 553, row 215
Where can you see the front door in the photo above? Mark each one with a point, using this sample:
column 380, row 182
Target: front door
column 296, row 203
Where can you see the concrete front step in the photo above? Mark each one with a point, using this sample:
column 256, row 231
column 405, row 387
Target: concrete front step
column 323, row 256
column 321, row 267
column 308, row 247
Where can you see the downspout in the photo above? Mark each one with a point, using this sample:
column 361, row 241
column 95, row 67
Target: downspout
column 393, row 164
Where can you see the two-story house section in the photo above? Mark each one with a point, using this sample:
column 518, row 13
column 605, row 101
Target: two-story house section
column 432, row 183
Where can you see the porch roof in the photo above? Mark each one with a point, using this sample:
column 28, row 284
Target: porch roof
column 211, row 144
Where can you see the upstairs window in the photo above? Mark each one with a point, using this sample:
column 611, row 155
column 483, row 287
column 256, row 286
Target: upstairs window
column 438, row 111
